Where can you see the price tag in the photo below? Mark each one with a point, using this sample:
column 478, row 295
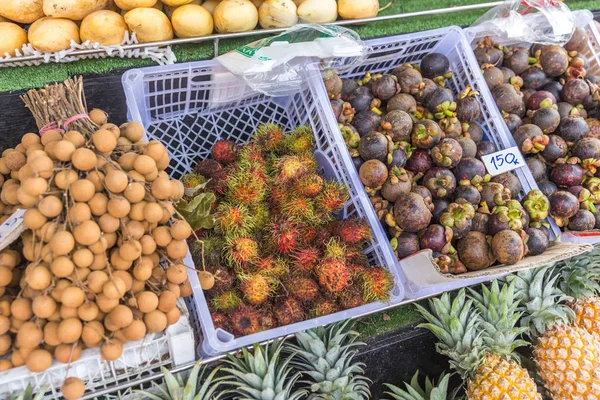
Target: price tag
column 12, row 228
column 503, row 161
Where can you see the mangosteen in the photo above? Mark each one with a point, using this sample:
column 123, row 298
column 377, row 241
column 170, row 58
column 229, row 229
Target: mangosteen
column 517, row 60
column 470, row 170
column 399, row 157
column 398, row 124
column 407, row 245
column 451, row 126
column 527, row 93
column 573, row 128
column 537, row 241
column 402, row 101
column 446, row 153
column 342, row 110
column 440, row 100
column 510, row 181
column 428, row 87
column 587, row 148
column 508, row 76
column 409, row 78
column 397, row 183
column 553, row 87
column 426, row 134
column 508, row 247
column 575, row 91
column 439, row 206
column 530, row 139
column 487, row 53
column 467, row 105
column 493, row 194
column 500, row 220
column 475, row 251
column 493, row 77
column 547, row 187
column 597, row 216
column 565, row 175
column 351, row 138
column 594, row 127
column 411, row 214
column 583, row 220
column 333, row 83
column 578, row 40
column 348, row 86
column 537, row 168
column 469, row 147
column 540, row 99
column 585, row 197
column 458, row 217
column 533, row 78
column 373, row 174
column 437, row 238
column 507, row 98
column 360, row 99
column 591, row 103
column 419, row 162
column 479, row 222
column 554, row 60
column 555, row 148
column 384, row 86
column 440, row 182
column 513, row 122
column 434, row 65
column 484, row 148
column 468, row 193
column 475, row 132
column 374, row 146
column 357, row 162
column 563, row 205
column 423, row 192
column 564, row 109
column 547, row 119
column 366, row 122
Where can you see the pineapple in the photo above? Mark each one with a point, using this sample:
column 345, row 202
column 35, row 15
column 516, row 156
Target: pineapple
column 262, row 375
column 479, row 336
column 567, row 356
column 414, row 391
column 177, row 389
column 325, row 355
column 28, row 394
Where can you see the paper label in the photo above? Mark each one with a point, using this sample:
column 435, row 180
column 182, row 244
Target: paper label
column 12, row 228
column 503, row 161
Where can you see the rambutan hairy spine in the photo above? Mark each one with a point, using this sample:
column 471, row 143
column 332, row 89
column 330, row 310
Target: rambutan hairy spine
column 378, row 283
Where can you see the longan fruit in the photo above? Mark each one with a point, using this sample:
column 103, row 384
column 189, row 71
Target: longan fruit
column 88, row 311
column 148, row 244
column 113, row 128
column 51, row 334
column 29, row 335
column 82, row 190
column 106, row 304
column 23, row 174
column 69, row 330
column 177, row 273
column 41, row 166
column 134, row 229
column 96, row 280
column 136, row 212
column 134, row 192
column 30, row 138
column 108, row 223
column 50, row 206
column 104, row 140
column 111, row 350
column 156, row 321
column 147, row 301
column 99, row 247
column 66, row 353
column 68, row 312
column 87, row 233
column 177, row 249
column 76, row 138
column 50, row 136
column 5, row 344
column 43, row 306
column 151, row 176
column 98, row 204
column 126, row 161
column 14, row 160
column 185, row 289
column 119, row 207
column 79, row 212
column 84, row 159
column 114, row 288
column 38, row 360
column 173, row 316
column 92, row 333
column 117, row 262
column 134, row 131
column 62, row 243
column 163, row 162
column 72, row 297
column 135, row 331
column 63, row 150
column 6, row 275
column 97, row 178
column 143, row 164
column 124, row 144
column 130, row 250
column 82, row 258
column 39, row 277
column 99, row 262
column 73, row 388
column 116, row 181
column 155, row 150
column 143, row 269
column 98, row 116
column 65, row 178
column 5, row 364
column 166, row 301
column 152, row 212
column 177, row 190
column 34, row 186
column 4, row 324
column 138, row 286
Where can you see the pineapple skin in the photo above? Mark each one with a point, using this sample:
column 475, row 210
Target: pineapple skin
column 587, row 314
column 568, row 361
column 498, row 378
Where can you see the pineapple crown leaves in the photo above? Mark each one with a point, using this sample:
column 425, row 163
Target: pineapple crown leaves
column 262, row 375
column 431, row 391
column 28, row 394
column 325, row 355
column 455, row 323
column 498, row 316
column 580, row 276
column 541, row 301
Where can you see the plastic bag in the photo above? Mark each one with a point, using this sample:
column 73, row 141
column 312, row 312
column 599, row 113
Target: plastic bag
column 277, row 66
column 532, row 21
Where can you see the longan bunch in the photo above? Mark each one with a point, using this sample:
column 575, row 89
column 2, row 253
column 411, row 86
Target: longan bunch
column 103, row 249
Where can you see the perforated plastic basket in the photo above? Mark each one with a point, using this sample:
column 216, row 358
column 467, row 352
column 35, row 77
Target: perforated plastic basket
column 189, row 107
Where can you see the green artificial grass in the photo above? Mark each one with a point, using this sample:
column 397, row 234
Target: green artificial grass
column 12, row 79
column 388, row 320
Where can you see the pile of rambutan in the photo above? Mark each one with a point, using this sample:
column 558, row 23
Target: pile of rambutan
column 277, row 252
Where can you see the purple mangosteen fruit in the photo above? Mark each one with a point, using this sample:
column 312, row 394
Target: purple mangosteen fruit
column 333, row 83
column 553, row 87
column 373, row 174
column 375, row 146
column 458, row 217
column 517, row 60
column 357, row 162
column 447, row 153
column 587, row 148
column 547, row 119
column 348, row 86
column 484, row 148
column 585, row 197
column 470, row 171
column 439, row 100
column 597, row 217
column 351, row 138
column 507, row 98
column 397, row 183
column 537, row 168
column 530, row 139
column 493, row 77
column 537, row 241
column 467, row 105
column 533, row 78
column 468, row 193
column 440, row 182
column 475, row 251
column 583, row 220
column 384, row 86
column 547, row 187
column 513, row 122
column 399, row 157
column 469, row 147
column 402, row 101
column 527, row 93
column 537, row 205
column 509, row 247
column 578, row 40
column 555, row 148
column 563, row 205
column 419, row 162
column 479, row 223
column 510, row 181
column 434, row 65
column 428, row 87
column 407, row 245
column 361, row 99
column 342, row 110
column 366, row 122
column 565, row 175
column 411, row 214
column 439, row 206
column 554, row 60
column 565, row 109
column 425, row 194
column 509, row 76
column 398, row 124
column 493, row 194
column 437, row 238
column 409, row 78
column 540, row 99
column 475, row 132
column 425, row 134
column 573, row 128
column 575, row 91
column 488, row 53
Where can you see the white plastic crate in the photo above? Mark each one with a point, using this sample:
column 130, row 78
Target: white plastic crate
column 584, row 19
column 189, row 107
column 174, row 347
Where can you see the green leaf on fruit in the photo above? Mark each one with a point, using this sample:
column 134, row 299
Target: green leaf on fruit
column 197, row 211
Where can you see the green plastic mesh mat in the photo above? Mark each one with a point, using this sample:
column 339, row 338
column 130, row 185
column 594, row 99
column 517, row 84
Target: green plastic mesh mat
column 12, row 79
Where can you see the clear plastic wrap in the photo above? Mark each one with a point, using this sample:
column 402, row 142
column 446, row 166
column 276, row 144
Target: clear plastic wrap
column 276, row 66
column 532, row 21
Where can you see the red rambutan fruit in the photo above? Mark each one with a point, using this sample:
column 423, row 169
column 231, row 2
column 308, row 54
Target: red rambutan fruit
column 284, row 236
column 245, row 188
column 332, row 199
column 272, row 265
column 352, row 230
column 351, row 297
column 251, row 154
column 309, row 185
column 309, row 161
column 233, row 220
column 301, row 140
column 245, row 320
column 208, row 167
column 256, row 288
column 356, row 269
column 260, row 213
column 307, row 259
column 303, row 289
column 192, row 180
column 269, row 137
column 354, row 255
column 218, row 182
column 333, row 275
column 224, row 279
column 335, row 249
column 266, row 320
column 377, row 284
column 226, row 301
column 241, row 251
column 298, row 209
column 314, row 235
column 323, row 306
column 221, row 321
column 224, row 151
column 289, row 311
column 278, row 195
column 288, row 168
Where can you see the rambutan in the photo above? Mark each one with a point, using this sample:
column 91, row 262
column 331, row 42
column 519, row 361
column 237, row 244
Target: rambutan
column 221, row 321
column 224, row 151
column 298, row 209
column 251, row 154
column 224, row 279
column 309, row 161
column 335, row 249
column 309, row 185
column 323, row 306
column 356, row 269
column 352, row 230
column 226, row 301
column 307, row 259
column 284, row 236
column 245, row 320
column 333, row 275
column 289, row 311
column 332, row 199
column 260, row 214
column 233, row 220
column 351, row 297
column 377, row 284
column 303, row 288
column 314, row 234
column 354, row 255
column 207, row 250
column 269, row 137
column 301, row 140
column 208, row 167
column 245, row 188
column 288, row 168
column 272, row 265
column 266, row 320
column 192, row 180
column 256, row 288
column 278, row 196
column 218, row 181
column 241, row 251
